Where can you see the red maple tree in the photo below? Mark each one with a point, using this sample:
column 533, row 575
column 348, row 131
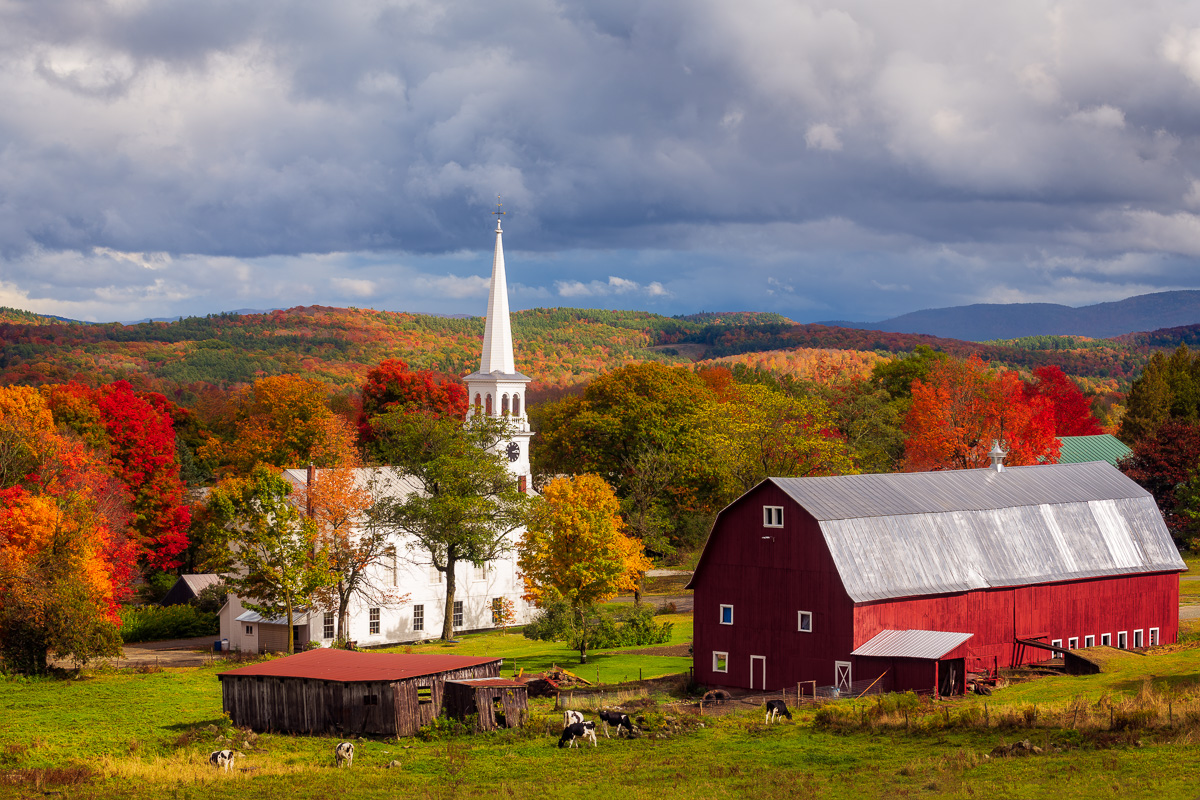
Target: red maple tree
column 392, row 385
column 1072, row 411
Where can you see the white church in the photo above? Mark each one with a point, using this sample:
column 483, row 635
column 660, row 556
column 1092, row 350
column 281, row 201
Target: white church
column 496, row 389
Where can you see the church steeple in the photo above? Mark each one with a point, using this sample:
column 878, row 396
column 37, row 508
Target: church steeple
column 497, row 389
column 497, row 332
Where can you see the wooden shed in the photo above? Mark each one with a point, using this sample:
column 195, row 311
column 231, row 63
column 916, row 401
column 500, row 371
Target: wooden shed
column 351, row 693
column 916, row 579
column 498, row 702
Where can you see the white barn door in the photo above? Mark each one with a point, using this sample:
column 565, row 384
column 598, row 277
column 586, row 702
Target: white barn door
column 842, row 676
column 758, row 672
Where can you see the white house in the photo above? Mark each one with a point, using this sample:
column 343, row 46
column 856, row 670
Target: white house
column 496, row 389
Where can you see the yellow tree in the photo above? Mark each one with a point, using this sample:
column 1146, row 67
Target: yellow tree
column 575, row 549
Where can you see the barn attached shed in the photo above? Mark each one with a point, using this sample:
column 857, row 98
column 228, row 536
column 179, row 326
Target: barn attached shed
column 350, row 693
column 497, row 702
column 918, row 578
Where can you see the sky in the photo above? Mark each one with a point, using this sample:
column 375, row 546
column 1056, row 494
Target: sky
column 822, row 160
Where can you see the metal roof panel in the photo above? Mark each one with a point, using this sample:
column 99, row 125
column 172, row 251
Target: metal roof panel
column 912, row 644
column 346, row 666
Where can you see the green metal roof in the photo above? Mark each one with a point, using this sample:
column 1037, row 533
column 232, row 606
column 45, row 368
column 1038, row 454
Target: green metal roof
column 1104, row 447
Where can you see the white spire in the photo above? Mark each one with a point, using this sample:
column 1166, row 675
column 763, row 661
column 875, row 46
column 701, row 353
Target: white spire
column 497, row 331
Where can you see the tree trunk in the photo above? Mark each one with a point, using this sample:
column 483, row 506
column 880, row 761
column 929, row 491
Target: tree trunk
column 448, row 616
column 343, row 618
column 291, row 632
column 582, row 637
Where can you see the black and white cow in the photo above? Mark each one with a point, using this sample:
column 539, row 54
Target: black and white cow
column 577, row 730
column 775, row 708
column 344, row 754
column 571, row 717
column 620, row 721
column 222, row 759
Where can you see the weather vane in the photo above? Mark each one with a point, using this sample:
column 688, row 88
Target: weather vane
column 499, row 206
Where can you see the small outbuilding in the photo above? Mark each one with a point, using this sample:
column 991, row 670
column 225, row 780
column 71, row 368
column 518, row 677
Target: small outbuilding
column 188, row 588
column 496, row 702
column 352, row 693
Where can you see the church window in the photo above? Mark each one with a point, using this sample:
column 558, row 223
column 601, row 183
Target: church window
column 516, row 405
column 478, row 402
column 488, row 409
column 504, row 404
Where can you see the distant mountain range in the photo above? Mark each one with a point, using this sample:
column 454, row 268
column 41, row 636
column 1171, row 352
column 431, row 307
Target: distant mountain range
column 987, row 321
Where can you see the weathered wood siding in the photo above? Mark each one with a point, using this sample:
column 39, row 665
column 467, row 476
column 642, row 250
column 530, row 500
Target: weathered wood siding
column 304, row 705
column 463, row 700
column 768, row 581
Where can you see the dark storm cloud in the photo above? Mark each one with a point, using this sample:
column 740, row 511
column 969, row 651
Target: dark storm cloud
column 853, row 159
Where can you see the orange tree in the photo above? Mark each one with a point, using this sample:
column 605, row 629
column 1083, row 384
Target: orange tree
column 65, row 562
column 575, row 550
column 963, row 406
column 282, row 421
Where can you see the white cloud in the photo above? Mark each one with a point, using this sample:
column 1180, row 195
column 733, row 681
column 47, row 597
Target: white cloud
column 822, row 137
column 1101, row 116
column 355, row 287
column 613, row 286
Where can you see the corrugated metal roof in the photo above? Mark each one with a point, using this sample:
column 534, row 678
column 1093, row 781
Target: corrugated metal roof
column 1102, row 447
column 382, row 481
column 200, row 581
column 253, row 616
column 347, row 666
column 912, row 644
column 912, row 534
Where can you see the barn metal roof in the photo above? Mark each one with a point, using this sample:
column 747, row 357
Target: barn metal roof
column 912, row 644
column 345, row 666
column 912, row 534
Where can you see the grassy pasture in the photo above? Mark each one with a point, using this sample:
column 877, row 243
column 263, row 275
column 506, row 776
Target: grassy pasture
column 148, row 735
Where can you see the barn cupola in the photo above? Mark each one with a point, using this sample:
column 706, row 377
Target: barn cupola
column 997, row 457
column 497, row 389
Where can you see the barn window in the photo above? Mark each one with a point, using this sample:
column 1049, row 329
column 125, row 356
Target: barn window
column 327, row 626
column 804, row 622
column 373, row 617
column 726, row 615
column 1073, row 643
column 1056, row 643
column 419, row 618
column 424, row 695
column 720, row 662
column 370, row 699
column 773, row 516
column 458, row 613
column 1106, row 639
column 1154, row 637
column 1137, row 640
column 249, row 630
column 1122, row 641
column 1089, row 641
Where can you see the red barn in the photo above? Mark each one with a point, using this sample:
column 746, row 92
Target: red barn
column 922, row 577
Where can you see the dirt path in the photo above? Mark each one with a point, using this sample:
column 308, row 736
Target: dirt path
column 169, row 653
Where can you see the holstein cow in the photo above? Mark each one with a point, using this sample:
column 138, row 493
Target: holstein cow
column 571, row 717
column 775, row 708
column 222, row 759
column 344, row 753
column 577, row 730
column 618, row 720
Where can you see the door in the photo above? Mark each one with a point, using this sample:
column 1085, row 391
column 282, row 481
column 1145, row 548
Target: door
column 758, row 672
column 841, row 676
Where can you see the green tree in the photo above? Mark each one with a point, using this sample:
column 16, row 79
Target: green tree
column 273, row 559
column 574, row 550
column 896, row 376
column 467, row 503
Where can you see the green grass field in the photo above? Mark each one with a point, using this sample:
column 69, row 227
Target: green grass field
column 115, row 735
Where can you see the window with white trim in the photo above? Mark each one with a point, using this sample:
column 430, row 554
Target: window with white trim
column 1137, row 639
column 1073, row 643
column 720, row 662
column 327, row 625
column 726, row 615
column 458, row 614
column 1122, row 641
column 435, row 575
column 772, row 516
column 804, row 621
column 390, row 566
column 480, row 572
column 419, row 618
column 1056, row 643
column 1089, row 641
column 1106, row 639
column 1154, row 637
column 373, row 619
column 249, row 630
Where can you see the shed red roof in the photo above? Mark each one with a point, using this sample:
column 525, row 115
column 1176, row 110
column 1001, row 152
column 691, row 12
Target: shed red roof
column 345, row 666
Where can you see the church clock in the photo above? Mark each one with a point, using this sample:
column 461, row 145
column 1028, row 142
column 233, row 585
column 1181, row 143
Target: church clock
column 513, row 451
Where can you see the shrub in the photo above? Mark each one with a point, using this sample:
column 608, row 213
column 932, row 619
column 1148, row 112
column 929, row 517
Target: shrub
column 211, row 598
column 151, row 623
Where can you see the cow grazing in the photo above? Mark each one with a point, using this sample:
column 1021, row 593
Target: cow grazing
column 776, row 708
column 222, row 759
column 571, row 717
column 620, row 721
column 344, row 754
column 575, row 731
